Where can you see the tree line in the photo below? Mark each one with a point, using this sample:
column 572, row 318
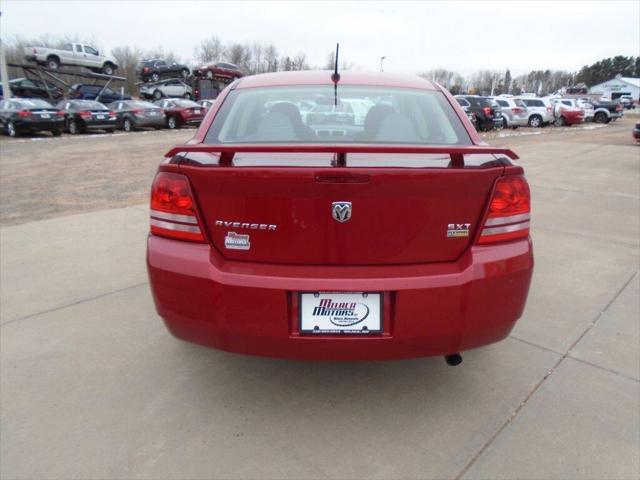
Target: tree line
column 257, row 57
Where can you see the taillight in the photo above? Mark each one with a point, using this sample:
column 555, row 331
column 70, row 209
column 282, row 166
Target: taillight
column 60, row 113
column 549, row 108
column 173, row 211
column 24, row 113
column 618, row 107
column 517, row 110
column 85, row 114
column 112, row 114
column 135, row 112
column 487, row 111
column 508, row 217
column 145, row 69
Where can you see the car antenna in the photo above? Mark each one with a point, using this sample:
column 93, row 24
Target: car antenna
column 335, row 77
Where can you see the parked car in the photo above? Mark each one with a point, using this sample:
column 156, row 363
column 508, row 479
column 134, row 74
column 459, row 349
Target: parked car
column 173, row 88
column 539, row 111
column 82, row 116
column 75, row 54
column 82, row 91
column 265, row 243
column 606, row 110
column 488, row 116
column 206, row 104
column 514, row 112
column 33, row 88
column 133, row 114
column 636, row 132
column 218, row 69
column 566, row 112
column 30, row 115
column 470, row 115
column 587, row 106
column 181, row 112
column 626, row 101
column 157, row 69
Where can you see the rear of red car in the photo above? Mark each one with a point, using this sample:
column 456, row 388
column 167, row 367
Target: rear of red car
column 397, row 236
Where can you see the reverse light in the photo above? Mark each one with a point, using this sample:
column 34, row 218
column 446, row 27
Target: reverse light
column 509, row 211
column 173, row 212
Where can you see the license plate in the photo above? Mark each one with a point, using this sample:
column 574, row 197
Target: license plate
column 45, row 115
column 197, row 112
column 152, row 114
column 100, row 117
column 340, row 313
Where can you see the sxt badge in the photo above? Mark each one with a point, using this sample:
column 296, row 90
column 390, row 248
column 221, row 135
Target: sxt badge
column 458, row 230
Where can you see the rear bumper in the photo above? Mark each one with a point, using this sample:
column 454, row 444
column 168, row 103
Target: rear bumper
column 248, row 308
column 158, row 121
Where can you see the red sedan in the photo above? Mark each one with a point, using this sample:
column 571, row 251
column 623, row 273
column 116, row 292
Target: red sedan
column 181, row 112
column 399, row 234
column 218, row 70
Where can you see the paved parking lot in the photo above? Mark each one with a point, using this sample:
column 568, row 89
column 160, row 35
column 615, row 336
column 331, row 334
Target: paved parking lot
column 92, row 385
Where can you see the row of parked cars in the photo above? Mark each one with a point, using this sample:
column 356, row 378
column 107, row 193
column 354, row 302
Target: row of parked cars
column 30, row 115
column 508, row 111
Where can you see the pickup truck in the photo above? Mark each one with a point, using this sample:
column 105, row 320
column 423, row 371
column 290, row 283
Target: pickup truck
column 606, row 110
column 72, row 54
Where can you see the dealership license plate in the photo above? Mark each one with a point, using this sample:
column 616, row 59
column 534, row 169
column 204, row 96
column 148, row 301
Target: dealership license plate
column 100, row 117
column 197, row 112
column 340, row 313
column 45, row 115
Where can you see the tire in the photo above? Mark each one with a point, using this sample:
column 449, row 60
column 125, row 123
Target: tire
column 535, row 121
column 73, row 128
column 53, row 63
column 127, row 126
column 600, row 117
column 155, row 76
column 108, row 68
column 505, row 123
column 56, row 133
column 157, row 94
column 172, row 123
column 187, row 96
column 11, row 130
column 184, row 72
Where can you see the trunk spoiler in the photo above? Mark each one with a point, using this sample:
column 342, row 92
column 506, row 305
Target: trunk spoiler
column 227, row 151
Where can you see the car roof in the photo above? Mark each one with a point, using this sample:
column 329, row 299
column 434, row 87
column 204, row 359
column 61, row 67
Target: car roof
column 323, row 77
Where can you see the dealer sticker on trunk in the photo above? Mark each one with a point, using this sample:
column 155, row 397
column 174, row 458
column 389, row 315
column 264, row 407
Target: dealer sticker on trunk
column 237, row 241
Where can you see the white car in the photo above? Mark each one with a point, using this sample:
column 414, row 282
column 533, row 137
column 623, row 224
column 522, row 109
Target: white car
column 514, row 112
column 72, row 54
column 539, row 111
column 168, row 88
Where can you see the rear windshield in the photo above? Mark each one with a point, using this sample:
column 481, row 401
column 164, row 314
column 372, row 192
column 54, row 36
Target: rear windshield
column 34, row 103
column 137, row 104
column 355, row 114
column 89, row 104
column 186, row 103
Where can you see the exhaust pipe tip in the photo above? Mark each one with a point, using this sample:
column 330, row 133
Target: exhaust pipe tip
column 453, row 359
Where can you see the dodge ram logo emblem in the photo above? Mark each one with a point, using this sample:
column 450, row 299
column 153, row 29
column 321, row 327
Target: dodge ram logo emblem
column 341, row 211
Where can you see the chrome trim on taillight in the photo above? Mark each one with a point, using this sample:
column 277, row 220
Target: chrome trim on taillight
column 505, row 229
column 506, row 220
column 175, row 226
column 174, row 217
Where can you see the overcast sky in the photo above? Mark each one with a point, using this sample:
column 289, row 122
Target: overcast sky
column 413, row 36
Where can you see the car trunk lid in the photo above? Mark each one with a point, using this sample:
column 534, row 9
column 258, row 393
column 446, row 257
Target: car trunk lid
column 354, row 215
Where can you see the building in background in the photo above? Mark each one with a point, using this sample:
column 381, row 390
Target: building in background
column 617, row 87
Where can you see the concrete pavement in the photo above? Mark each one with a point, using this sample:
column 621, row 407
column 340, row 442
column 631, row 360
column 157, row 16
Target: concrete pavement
column 92, row 385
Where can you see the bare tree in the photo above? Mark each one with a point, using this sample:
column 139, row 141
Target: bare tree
column 210, row 50
column 127, row 58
